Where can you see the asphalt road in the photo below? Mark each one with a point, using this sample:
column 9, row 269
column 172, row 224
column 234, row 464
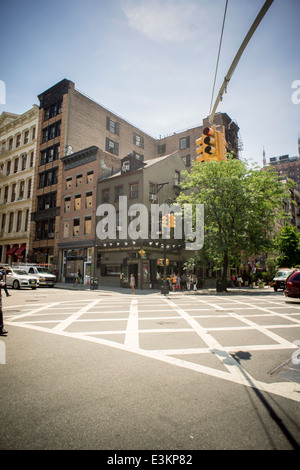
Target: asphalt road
column 113, row 371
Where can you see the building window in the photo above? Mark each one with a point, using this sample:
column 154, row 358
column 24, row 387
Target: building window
column 184, row 143
column 21, row 190
column 11, row 222
column 8, row 167
column 18, row 141
column 13, row 193
column 77, row 202
column 112, row 126
column 10, row 143
column 118, row 192
column 16, row 165
column 138, row 156
column 3, row 223
column 67, row 205
column 47, row 201
column 26, row 137
column 138, row 140
column 66, row 227
column 52, row 131
column 79, row 179
column 48, row 178
column 31, row 159
column 76, row 227
column 53, row 110
column 90, row 176
column 29, row 189
column 134, row 190
column 87, row 225
column 24, row 161
column 161, row 149
column 88, row 200
column 69, row 182
column 105, row 195
column 19, row 221
column 5, row 194
column 187, row 160
column 50, row 154
column 111, row 146
column 177, row 178
column 26, row 220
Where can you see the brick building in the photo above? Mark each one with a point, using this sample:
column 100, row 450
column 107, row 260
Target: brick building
column 76, row 230
column 69, row 122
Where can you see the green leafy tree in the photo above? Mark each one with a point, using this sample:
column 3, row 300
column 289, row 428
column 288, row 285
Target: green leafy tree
column 287, row 243
column 241, row 204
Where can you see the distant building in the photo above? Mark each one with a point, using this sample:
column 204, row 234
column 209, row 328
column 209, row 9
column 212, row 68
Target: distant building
column 287, row 166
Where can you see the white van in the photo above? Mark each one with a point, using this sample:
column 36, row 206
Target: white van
column 45, row 278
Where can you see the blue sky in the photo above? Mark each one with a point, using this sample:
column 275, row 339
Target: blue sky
column 152, row 62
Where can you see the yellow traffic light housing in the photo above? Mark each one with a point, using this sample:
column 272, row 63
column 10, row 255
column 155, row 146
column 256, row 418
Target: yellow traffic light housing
column 221, row 146
column 210, row 142
column 208, row 145
column 211, row 146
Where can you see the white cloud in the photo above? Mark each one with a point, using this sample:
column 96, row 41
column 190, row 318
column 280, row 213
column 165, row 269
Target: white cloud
column 162, row 20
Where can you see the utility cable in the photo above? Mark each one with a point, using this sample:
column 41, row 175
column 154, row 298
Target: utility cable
column 212, row 95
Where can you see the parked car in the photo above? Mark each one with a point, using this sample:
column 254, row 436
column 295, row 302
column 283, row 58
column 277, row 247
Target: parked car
column 293, row 285
column 45, row 278
column 279, row 281
column 17, row 278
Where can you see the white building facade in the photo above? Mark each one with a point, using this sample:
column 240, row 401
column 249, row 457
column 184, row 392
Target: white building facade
column 18, row 139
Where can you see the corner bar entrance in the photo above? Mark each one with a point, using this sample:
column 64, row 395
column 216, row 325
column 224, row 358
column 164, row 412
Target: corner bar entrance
column 116, row 261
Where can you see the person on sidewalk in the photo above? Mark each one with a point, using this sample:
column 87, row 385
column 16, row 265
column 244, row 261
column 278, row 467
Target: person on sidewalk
column 2, row 330
column 132, row 283
column 4, row 274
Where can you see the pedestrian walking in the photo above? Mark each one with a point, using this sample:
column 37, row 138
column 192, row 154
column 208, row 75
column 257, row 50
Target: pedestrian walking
column 195, row 282
column 2, row 330
column 78, row 277
column 3, row 275
column 174, row 281
column 183, row 282
column 188, row 282
column 132, row 283
column 239, row 281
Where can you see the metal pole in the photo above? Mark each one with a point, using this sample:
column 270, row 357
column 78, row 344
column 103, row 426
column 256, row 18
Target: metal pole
column 232, row 68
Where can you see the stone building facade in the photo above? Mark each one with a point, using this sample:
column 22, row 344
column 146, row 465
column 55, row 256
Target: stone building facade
column 18, row 141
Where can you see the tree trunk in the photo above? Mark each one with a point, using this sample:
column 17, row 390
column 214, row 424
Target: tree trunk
column 224, row 273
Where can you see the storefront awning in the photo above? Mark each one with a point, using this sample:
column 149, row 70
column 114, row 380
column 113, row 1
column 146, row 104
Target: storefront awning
column 21, row 250
column 12, row 250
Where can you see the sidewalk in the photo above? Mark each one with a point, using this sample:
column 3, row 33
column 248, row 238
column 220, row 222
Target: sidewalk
column 202, row 291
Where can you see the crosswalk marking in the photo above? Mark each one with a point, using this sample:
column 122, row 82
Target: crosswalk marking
column 99, row 320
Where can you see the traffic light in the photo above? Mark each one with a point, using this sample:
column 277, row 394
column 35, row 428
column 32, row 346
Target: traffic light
column 207, row 145
column 211, row 146
column 166, row 220
column 221, row 146
column 210, row 141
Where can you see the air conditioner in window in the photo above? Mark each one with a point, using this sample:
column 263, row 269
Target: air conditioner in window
column 153, row 197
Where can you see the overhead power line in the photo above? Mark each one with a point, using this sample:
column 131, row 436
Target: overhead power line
column 232, row 68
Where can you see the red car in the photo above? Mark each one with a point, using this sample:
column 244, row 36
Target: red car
column 293, row 285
